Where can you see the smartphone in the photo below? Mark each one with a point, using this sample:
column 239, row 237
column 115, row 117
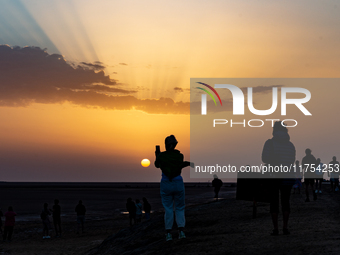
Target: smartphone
column 158, row 149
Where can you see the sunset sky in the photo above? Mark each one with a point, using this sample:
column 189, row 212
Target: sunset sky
column 88, row 88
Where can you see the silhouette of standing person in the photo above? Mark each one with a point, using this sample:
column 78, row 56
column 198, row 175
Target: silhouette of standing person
column 318, row 176
column 147, row 208
column 1, row 215
column 279, row 151
column 333, row 173
column 131, row 208
column 56, row 214
column 9, row 224
column 217, row 184
column 46, row 221
column 80, row 210
column 172, row 186
column 297, row 186
column 139, row 211
column 308, row 167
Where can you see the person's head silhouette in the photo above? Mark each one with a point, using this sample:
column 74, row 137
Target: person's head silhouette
column 279, row 127
column 308, row 151
column 318, row 161
column 170, row 143
column 334, row 158
column 56, row 201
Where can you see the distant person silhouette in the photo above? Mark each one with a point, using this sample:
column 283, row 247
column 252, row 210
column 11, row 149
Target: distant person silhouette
column 9, row 224
column 1, row 215
column 297, row 185
column 308, row 164
column 217, row 184
column 147, row 208
column 56, row 214
column 139, row 211
column 46, row 221
column 279, row 151
column 318, row 176
column 131, row 208
column 333, row 173
column 172, row 186
column 80, row 210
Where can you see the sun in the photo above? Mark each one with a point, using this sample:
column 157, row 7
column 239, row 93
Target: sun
column 145, row 162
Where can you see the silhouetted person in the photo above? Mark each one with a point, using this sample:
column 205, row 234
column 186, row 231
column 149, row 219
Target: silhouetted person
column 172, row 186
column 318, row 176
column 57, row 217
column 297, row 186
column 276, row 152
column 80, row 210
column 147, row 208
column 1, row 215
column 139, row 211
column 217, row 184
column 131, row 208
column 45, row 221
column 9, row 224
column 333, row 173
column 308, row 163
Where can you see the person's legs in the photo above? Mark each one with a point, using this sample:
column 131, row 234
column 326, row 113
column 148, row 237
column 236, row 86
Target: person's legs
column 285, row 191
column 306, row 188
column 320, row 184
column 5, row 233
column 10, row 232
column 180, row 205
column 45, row 229
column 167, row 201
column 274, row 206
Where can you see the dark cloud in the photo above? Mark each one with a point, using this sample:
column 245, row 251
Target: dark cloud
column 178, row 89
column 95, row 66
column 123, row 64
column 31, row 75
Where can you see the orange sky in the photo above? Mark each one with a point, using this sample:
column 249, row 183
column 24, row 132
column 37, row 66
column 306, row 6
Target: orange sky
column 147, row 48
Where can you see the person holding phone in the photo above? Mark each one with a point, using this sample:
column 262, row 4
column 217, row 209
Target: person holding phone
column 171, row 162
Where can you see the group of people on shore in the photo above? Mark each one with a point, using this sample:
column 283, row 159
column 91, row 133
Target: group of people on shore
column 277, row 151
column 136, row 210
column 314, row 170
column 44, row 216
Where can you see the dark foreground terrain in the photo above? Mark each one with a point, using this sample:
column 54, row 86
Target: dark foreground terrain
column 213, row 227
column 227, row 227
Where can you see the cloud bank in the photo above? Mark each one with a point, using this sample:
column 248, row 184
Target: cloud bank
column 31, row 75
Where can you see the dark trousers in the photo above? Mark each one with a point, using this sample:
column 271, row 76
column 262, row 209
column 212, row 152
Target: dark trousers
column 8, row 231
column 277, row 189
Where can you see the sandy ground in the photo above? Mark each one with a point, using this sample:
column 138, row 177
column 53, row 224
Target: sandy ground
column 214, row 227
column 227, row 227
column 104, row 215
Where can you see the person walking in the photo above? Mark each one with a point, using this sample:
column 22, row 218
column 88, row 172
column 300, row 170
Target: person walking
column 46, row 221
column 56, row 214
column 147, row 208
column 80, row 210
column 139, row 211
column 9, row 224
column 333, row 173
column 172, row 187
column 131, row 208
column 308, row 164
column 217, row 184
column 279, row 151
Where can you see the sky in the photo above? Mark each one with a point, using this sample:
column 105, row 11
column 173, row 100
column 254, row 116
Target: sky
column 88, row 88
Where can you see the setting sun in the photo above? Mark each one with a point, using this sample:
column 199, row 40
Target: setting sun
column 145, row 162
